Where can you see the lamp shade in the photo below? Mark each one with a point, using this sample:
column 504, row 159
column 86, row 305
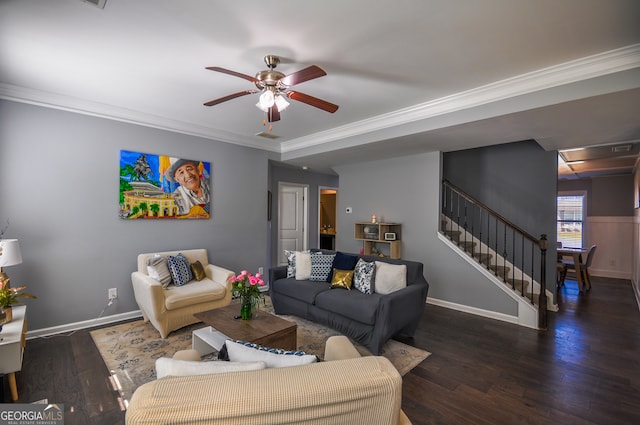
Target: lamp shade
column 281, row 104
column 267, row 99
column 11, row 254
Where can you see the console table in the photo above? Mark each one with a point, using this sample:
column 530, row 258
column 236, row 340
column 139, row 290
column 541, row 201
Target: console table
column 12, row 343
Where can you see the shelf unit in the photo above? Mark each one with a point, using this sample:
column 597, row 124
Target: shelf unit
column 373, row 233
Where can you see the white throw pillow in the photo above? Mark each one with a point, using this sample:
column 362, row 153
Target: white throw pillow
column 241, row 353
column 303, row 265
column 171, row 367
column 291, row 262
column 390, row 277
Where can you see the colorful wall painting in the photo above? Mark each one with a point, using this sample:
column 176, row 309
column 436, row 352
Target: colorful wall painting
column 163, row 187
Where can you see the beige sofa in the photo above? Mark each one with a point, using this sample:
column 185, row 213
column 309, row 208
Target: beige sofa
column 173, row 308
column 345, row 389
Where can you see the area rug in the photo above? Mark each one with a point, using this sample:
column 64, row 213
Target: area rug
column 130, row 349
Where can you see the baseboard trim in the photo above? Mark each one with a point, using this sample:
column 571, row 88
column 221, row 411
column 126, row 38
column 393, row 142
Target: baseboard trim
column 70, row 327
column 614, row 274
column 474, row 310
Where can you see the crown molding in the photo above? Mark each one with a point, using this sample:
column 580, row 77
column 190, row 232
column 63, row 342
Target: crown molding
column 101, row 110
column 598, row 65
column 594, row 66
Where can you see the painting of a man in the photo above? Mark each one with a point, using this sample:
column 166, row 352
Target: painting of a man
column 193, row 190
column 163, row 187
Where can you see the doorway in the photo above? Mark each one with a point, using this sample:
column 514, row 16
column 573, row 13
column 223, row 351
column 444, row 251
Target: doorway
column 293, row 219
column 327, row 225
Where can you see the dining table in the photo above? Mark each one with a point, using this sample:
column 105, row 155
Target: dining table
column 576, row 255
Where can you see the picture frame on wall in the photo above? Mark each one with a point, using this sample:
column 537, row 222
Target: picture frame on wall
column 163, row 187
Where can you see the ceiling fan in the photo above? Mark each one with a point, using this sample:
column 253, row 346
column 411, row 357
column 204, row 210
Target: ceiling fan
column 274, row 86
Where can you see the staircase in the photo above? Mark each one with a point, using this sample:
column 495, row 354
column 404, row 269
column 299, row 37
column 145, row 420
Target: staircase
column 504, row 253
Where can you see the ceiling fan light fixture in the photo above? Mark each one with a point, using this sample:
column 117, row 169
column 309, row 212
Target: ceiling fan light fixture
column 274, row 88
column 267, row 99
column 281, row 103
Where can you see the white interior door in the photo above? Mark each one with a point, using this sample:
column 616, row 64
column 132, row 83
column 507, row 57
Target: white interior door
column 292, row 219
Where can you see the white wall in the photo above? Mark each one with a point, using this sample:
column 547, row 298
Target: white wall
column 60, row 177
column 614, row 256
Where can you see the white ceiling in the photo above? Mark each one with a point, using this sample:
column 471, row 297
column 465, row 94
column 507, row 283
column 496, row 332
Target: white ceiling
column 409, row 75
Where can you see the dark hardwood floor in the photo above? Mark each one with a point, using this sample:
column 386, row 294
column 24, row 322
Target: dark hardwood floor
column 583, row 370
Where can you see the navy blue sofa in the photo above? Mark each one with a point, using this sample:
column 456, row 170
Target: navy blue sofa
column 369, row 319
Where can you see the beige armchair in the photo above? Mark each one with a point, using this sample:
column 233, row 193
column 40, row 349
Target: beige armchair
column 173, row 308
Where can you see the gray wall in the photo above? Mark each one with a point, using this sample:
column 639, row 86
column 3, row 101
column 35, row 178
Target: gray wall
column 610, row 196
column 60, row 192
column 516, row 180
column 407, row 190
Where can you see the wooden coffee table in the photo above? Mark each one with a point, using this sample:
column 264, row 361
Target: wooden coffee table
column 265, row 329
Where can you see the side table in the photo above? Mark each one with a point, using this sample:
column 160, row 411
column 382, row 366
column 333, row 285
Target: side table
column 12, row 343
column 206, row 340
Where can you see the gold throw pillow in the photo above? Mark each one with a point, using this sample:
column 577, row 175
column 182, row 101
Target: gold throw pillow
column 342, row 279
column 198, row 270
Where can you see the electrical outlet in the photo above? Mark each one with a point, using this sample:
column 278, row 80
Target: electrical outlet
column 261, row 270
column 113, row 293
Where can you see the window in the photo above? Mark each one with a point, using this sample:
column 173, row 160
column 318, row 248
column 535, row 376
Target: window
column 570, row 220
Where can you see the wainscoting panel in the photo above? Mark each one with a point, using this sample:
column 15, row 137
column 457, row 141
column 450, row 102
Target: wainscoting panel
column 614, row 237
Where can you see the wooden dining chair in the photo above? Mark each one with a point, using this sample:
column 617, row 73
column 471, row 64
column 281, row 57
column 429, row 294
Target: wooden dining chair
column 561, row 274
column 561, row 269
column 584, row 267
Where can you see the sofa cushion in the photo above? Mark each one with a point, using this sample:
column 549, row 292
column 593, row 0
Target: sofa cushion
column 351, row 304
column 321, row 265
column 342, row 261
column 179, row 269
column 302, row 290
column 158, row 269
column 172, row 367
column 195, row 292
column 390, row 277
column 239, row 351
column 291, row 261
column 363, row 276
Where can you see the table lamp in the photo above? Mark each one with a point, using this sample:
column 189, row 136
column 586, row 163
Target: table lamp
column 9, row 256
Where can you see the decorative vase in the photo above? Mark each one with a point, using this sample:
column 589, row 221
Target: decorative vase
column 246, row 309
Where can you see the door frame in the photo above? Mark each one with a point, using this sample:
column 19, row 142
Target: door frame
column 305, row 215
column 320, row 189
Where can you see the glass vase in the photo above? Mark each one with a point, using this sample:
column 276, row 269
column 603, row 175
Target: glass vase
column 246, row 309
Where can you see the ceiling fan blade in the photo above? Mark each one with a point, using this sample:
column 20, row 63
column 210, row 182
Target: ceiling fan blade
column 273, row 114
column 229, row 97
column 313, row 101
column 234, row 73
column 303, row 75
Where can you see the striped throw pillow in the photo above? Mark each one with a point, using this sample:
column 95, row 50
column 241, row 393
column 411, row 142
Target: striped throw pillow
column 158, row 269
